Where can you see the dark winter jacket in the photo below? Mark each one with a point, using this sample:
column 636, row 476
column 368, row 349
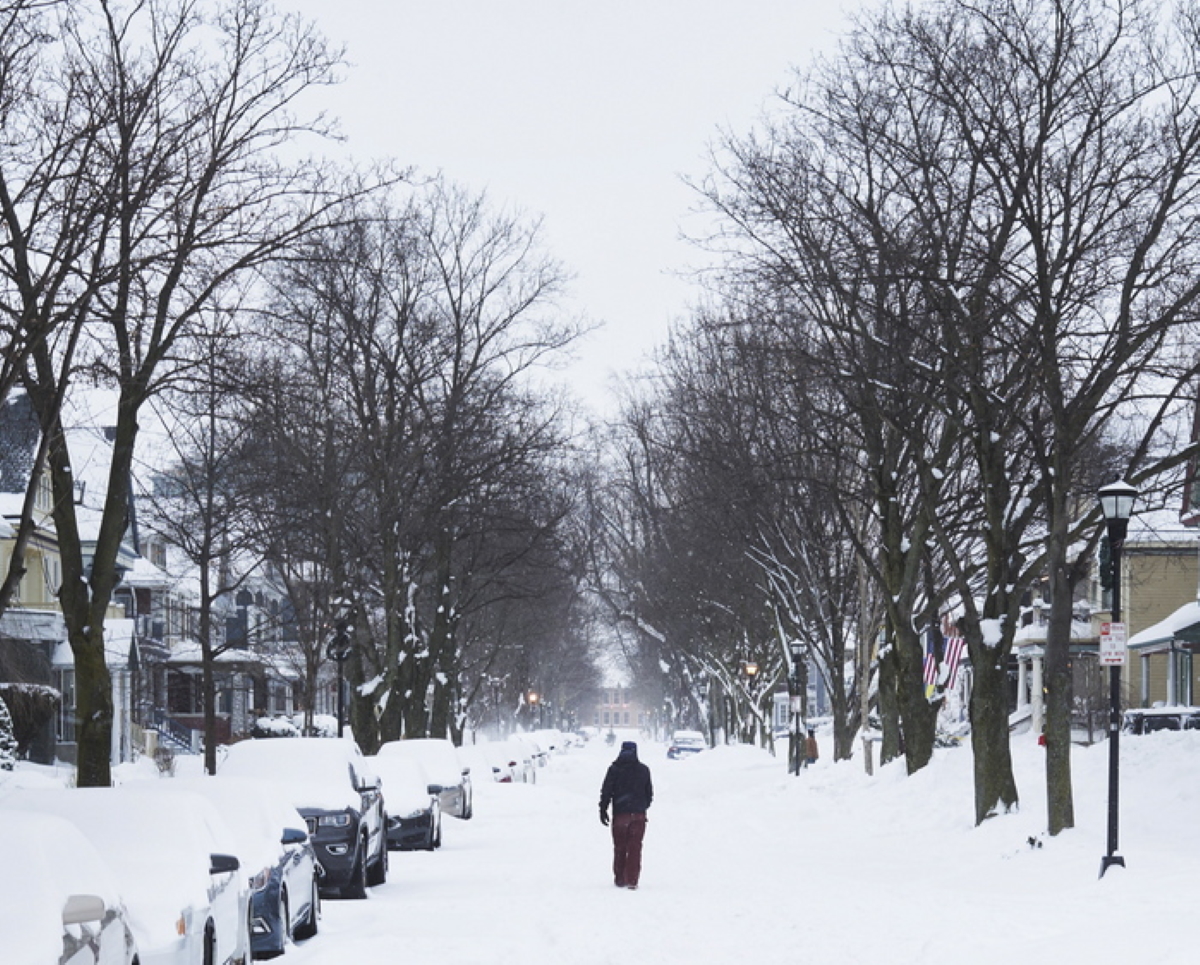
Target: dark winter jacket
column 627, row 784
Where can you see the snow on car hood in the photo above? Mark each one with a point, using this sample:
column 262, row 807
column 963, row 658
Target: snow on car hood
column 405, row 786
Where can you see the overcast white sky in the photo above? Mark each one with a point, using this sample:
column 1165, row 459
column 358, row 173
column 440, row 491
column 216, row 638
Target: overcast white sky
column 584, row 114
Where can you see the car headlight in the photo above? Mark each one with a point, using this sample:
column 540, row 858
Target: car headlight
column 334, row 820
column 260, row 880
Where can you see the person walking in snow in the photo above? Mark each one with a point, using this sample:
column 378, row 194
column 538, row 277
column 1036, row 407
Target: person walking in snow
column 811, row 752
column 628, row 789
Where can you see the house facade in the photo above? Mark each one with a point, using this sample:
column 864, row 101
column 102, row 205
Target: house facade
column 151, row 646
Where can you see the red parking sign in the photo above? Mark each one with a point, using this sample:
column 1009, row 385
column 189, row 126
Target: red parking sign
column 1112, row 644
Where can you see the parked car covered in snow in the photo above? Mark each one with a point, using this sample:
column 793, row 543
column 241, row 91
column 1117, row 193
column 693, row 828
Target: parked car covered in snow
column 684, row 743
column 329, row 781
column 174, row 865
column 441, row 763
column 414, row 804
column 277, row 858
column 520, row 760
column 59, row 901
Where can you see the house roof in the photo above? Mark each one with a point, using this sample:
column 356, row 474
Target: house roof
column 118, row 641
column 1182, row 626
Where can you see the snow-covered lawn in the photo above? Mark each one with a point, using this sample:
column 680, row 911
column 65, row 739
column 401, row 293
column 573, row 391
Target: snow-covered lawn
column 744, row 863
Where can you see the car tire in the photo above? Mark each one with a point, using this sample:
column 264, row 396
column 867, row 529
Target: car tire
column 309, row 928
column 356, row 887
column 377, row 870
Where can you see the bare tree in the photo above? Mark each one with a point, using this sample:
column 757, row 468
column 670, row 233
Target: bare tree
column 188, row 103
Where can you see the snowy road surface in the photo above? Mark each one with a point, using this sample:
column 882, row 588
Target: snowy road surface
column 743, row 863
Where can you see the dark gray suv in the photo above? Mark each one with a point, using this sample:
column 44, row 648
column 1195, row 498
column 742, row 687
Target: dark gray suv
column 329, row 781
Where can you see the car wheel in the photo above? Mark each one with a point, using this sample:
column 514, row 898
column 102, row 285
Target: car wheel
column 356, row 887
column 309, row 928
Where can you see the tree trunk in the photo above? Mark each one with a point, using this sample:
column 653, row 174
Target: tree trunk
column 918, row 718
column 889, row 708
column 995, row 787
column 1060, row 804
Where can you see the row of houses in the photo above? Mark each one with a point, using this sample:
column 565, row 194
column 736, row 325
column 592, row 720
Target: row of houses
column 152, row 650
column 1160, row 586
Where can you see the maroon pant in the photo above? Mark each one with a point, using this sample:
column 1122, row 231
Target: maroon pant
column 627, row 833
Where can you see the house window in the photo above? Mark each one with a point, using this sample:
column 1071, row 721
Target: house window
column 626, row 718
column 606, row 717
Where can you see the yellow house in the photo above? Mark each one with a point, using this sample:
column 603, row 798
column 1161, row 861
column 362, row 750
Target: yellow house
column 1160, row 576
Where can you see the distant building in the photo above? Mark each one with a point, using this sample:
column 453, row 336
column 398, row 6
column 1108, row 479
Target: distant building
column 618, row 707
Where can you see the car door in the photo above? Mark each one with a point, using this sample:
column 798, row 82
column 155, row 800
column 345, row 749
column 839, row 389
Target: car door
column 370, row 792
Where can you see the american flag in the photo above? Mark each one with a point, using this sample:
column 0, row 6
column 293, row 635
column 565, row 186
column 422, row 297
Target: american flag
column 954, row 647
column 930, row 672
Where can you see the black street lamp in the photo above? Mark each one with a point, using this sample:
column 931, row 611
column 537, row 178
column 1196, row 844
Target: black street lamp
column 796, row 651
column 705, row 690
column 339, row 649
column 1116, row 501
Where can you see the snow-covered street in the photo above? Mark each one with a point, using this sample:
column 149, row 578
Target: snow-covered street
column 743, row 862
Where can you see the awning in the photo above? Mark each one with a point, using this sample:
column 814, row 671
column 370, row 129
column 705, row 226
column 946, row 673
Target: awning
column 1181, row 627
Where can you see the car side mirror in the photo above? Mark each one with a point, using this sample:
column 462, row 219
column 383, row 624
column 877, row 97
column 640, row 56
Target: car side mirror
column 434, row 789
column 223, row 864
column 293, row 836
column 80, row 909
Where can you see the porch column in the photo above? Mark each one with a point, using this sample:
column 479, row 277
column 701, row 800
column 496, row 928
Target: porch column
column 1037, row 716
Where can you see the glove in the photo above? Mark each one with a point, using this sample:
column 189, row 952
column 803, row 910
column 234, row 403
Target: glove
column 604, row 817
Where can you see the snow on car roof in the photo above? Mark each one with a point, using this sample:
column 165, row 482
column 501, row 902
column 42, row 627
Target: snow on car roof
column 315, row 772
column 139, row 834
column 55, row 862
column 437, row 755
column 255, row 810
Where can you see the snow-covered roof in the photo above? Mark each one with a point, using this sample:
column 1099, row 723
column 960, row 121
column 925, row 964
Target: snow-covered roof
column 22, row 624
column 143, row 573
column 118, row 640
column 190, row 651
column 1186, row 617
column 1034, row 635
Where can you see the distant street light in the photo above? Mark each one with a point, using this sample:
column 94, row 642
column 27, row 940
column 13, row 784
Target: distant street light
column 1116, row 501
column 796, row 651
column 339, row 649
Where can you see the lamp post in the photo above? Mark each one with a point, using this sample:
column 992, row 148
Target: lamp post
column 339, row 649
column 705, row 689
column 796, row 651
column 1116, row 501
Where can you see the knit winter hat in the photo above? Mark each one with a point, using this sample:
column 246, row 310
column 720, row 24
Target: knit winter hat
column 629, row 746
